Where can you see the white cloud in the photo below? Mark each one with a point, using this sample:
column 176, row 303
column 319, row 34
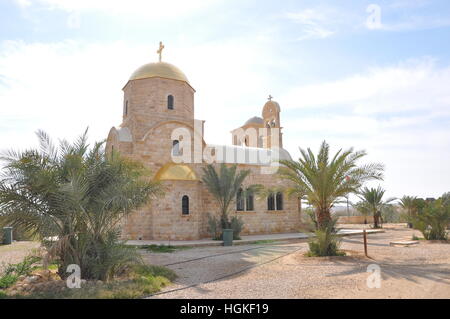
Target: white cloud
column 414, row 85
column 314, row 23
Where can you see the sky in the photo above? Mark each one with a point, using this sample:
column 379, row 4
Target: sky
column 373, row 75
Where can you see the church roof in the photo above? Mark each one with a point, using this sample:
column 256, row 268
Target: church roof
column 159, row 69
column 254, row 120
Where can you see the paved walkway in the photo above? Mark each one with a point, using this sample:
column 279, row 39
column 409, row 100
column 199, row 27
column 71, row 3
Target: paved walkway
column 282, row 271
column 245, row 239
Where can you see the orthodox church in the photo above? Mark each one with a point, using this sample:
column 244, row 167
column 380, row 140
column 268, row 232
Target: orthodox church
column 159, row 129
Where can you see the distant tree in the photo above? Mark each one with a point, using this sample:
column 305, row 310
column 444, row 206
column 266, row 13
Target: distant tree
column 373, row 201
column 446, row 199
column 410, row 205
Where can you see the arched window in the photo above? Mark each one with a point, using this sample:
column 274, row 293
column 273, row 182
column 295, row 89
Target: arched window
column 125, row 110
column 239, row 200
column 279, row 201
column 185, row 205
column 170, row 102
column 176, row 148
column 271, row 202
column 249, row 200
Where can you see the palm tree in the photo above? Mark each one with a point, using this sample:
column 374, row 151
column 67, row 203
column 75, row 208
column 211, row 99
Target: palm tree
column 409, row 203
column 73, row 198
column 324, row 181
column 372, row 200
column 224, row 184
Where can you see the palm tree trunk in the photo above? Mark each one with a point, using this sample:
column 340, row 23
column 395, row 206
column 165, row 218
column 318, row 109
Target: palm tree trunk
column 375, row 220
column 323, row 217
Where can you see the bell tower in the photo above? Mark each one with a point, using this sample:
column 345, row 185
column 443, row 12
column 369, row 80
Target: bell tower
column 271, row 117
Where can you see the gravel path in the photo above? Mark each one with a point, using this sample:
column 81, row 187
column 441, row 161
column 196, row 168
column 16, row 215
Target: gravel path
column 420, row 271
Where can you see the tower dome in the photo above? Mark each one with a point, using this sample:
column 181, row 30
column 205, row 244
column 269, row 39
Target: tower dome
column 159, row 69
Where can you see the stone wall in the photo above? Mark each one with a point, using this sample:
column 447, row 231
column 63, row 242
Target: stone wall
column 355, row 219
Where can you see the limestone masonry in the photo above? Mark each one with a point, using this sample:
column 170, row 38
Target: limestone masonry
column 158, row 101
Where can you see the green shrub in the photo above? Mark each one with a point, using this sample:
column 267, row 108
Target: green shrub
column 23, row 268
column 326, row 242
column 13, row 271
column 433, row 220
column 214, row 227
column 237, row 224
column 8, row 280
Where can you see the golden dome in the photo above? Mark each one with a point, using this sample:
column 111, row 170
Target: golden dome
column 159, row 69
column 175, row 172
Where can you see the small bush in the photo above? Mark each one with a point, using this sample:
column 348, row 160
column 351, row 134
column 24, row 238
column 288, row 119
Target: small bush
column 326, row 242
column 237, row 224
column 12, row 272
column 8, row 280
column 23, row 268
column 433, row 220
column 214, row 227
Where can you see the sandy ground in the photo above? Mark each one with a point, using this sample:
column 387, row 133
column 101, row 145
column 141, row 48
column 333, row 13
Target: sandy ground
column 14, row 253
column 282, row 270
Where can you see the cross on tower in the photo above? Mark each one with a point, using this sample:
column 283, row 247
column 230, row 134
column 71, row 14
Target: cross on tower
column 161, row 47
column 270, row 97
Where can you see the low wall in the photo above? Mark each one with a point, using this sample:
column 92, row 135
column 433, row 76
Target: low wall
column 355, row 219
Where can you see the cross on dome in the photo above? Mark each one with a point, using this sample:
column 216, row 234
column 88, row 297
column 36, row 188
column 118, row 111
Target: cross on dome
column 161, row 47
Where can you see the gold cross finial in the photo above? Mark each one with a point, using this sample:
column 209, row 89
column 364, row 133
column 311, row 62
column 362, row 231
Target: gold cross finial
column 161, row 47
column 270, row 97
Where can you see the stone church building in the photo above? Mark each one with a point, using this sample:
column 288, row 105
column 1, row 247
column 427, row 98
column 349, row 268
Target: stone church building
column 158, row 101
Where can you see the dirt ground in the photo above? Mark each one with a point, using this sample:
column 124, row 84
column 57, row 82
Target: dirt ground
column 282, row 271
